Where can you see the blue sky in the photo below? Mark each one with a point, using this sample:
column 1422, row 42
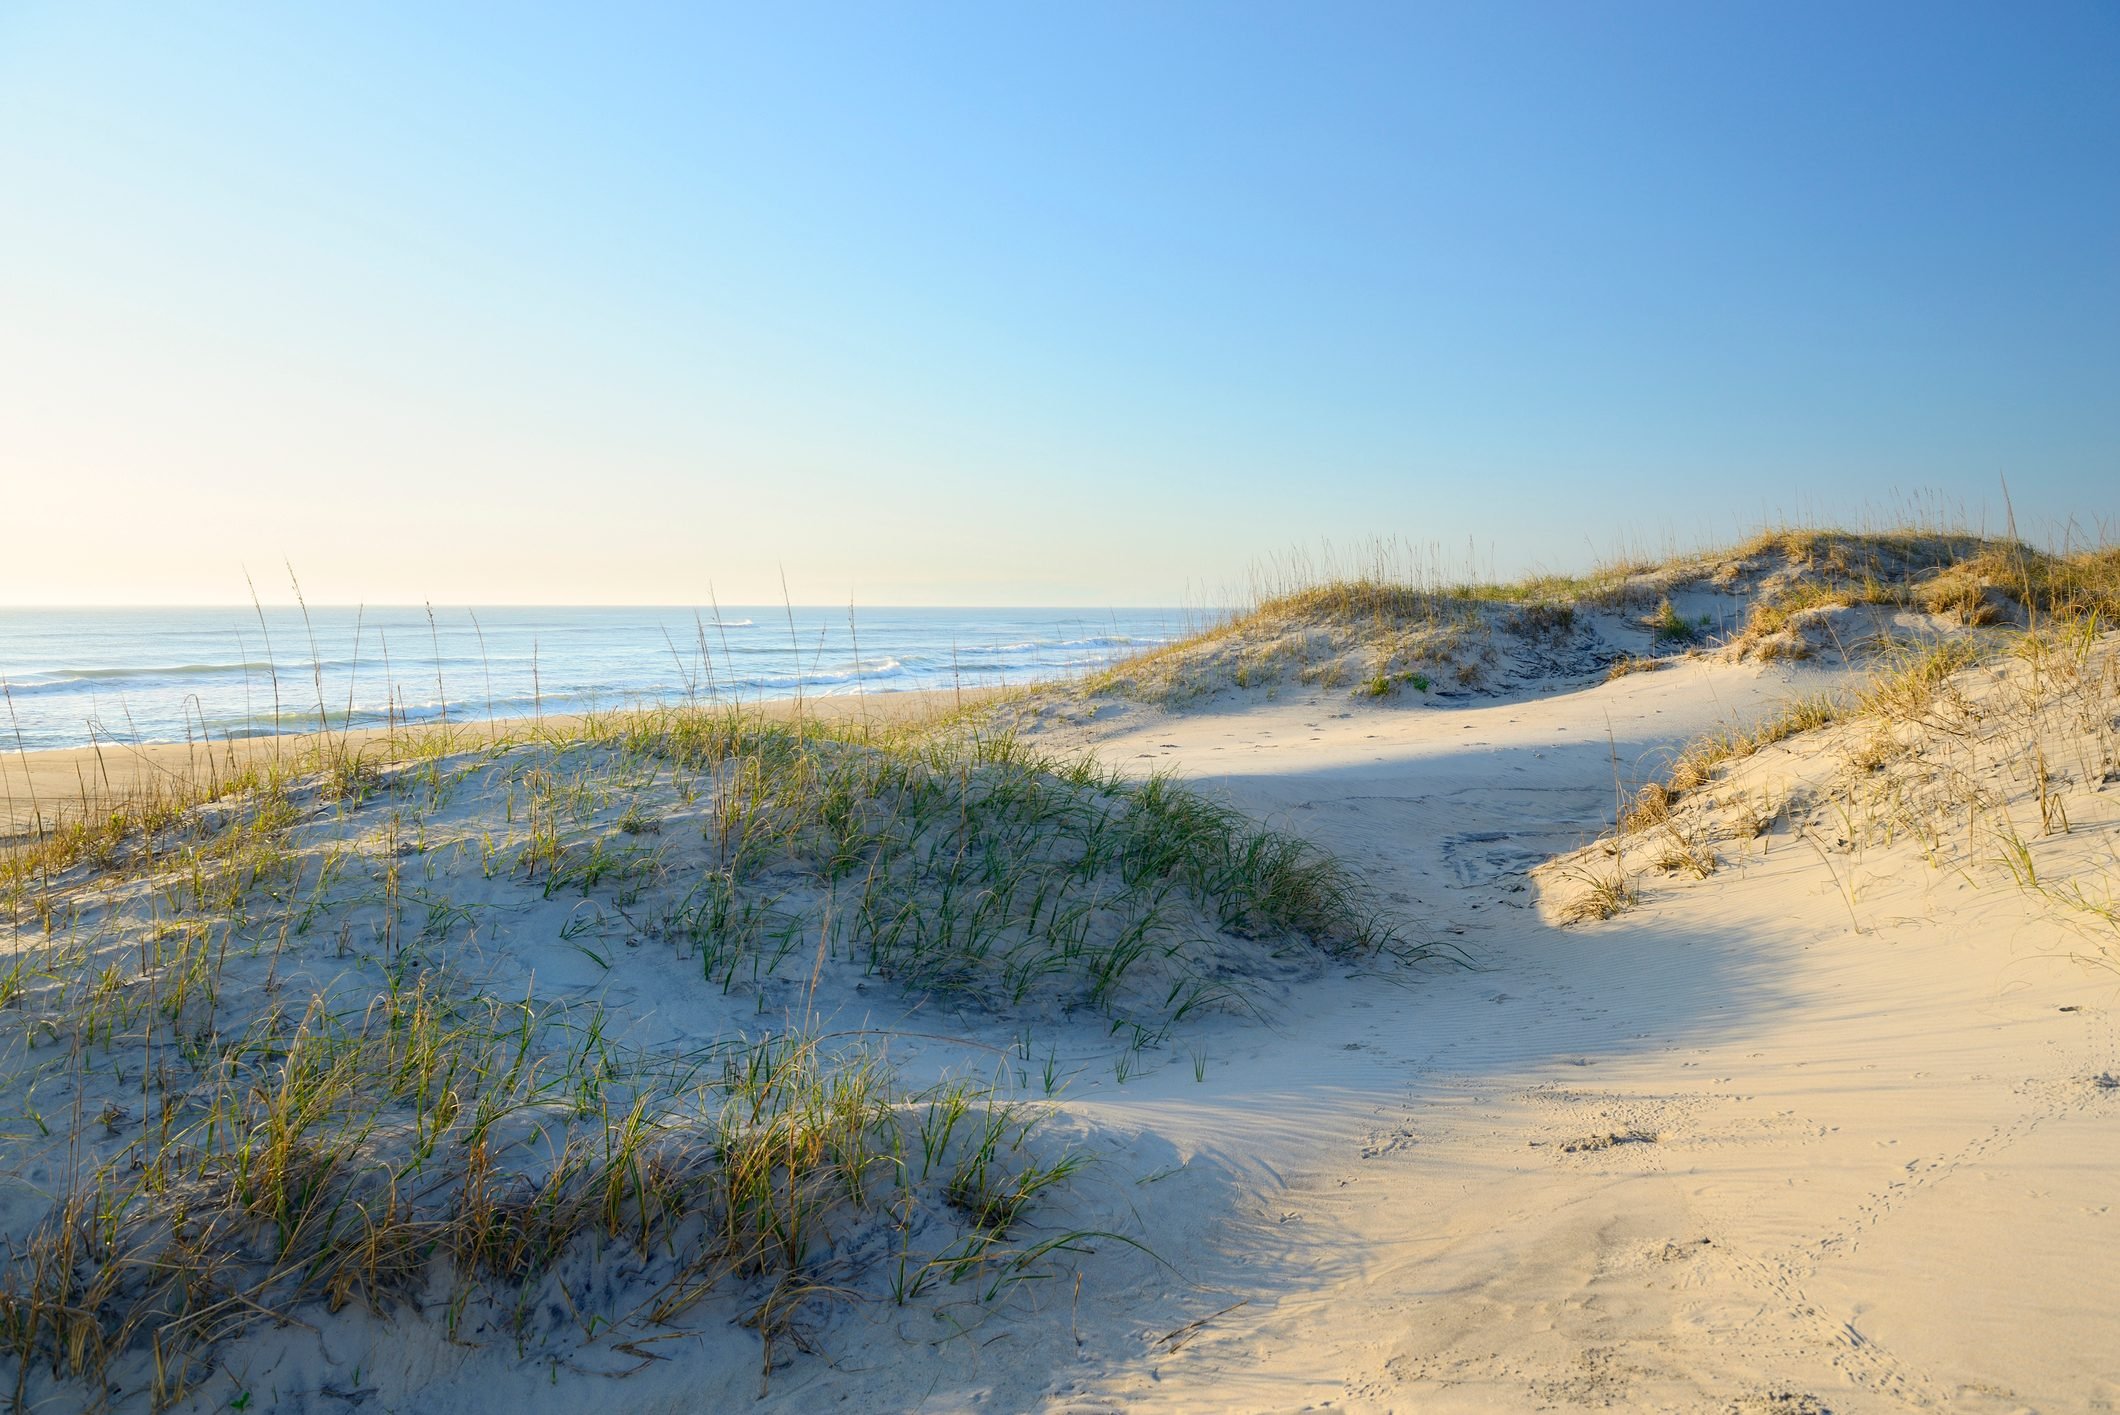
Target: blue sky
column 1073, row 304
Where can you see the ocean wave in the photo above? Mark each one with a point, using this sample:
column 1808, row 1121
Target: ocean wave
column 1110, row 641
column 262, row 671
column 69, row 677
column 1051, row 646
column 866, row 673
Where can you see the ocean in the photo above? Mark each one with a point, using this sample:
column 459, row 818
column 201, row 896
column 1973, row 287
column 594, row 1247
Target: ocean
column 73, row 676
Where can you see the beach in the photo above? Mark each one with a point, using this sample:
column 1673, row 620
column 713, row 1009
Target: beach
column 1581, row 1018
column 1106, row 709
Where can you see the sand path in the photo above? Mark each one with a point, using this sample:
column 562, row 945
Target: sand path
column 1721, row 1153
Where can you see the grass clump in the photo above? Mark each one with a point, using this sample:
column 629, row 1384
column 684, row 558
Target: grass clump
column 1909, row 688
column 1383, row 685
column 1648, row 807
column 968, row 863
column 1667, row 625
column 1676, row 854
column 1628, row 663
column 1541, row 619
column 1604, row 894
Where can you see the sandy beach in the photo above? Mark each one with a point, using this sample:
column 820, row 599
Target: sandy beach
column 1795, row 1092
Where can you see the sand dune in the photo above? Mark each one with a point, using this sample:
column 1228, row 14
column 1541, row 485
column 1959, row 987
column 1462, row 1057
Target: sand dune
column 1826, row 1122
column 1723, row 1152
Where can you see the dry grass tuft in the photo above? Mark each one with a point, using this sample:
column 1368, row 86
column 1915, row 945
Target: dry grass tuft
column 1628, row 663
column 1649, row 807
column 1698, row 762
column 1604, row 895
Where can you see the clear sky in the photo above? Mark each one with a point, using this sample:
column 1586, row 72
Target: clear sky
column 1001, row 303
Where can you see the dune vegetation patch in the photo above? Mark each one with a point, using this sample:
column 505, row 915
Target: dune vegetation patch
column 1800, row 579
column 1389, row 623
column 525, row 1040
column 1370, row 639
column 965, row 862
column 1996, row 758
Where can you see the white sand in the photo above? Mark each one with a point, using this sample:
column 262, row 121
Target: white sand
column 1884, row 1171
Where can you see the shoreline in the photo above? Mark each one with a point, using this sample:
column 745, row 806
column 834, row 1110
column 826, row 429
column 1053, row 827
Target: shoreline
column 67, row 784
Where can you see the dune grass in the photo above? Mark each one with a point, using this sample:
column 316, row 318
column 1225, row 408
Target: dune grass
column 1975, row 745
column 337, row 1158
column 1371, row 622
column 244, row 1015
column 963, row 861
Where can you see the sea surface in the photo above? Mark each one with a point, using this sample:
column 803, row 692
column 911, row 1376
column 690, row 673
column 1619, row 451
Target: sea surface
column 73, row 676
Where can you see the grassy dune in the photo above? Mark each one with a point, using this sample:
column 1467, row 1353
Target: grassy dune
column 1387, row 631
column 1975, row 746
column 341, row 1030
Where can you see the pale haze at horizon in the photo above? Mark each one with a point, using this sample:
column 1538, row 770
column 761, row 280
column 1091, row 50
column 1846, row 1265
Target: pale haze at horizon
column 1095, row 305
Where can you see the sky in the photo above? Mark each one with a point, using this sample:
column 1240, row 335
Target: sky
column 1009, row 304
